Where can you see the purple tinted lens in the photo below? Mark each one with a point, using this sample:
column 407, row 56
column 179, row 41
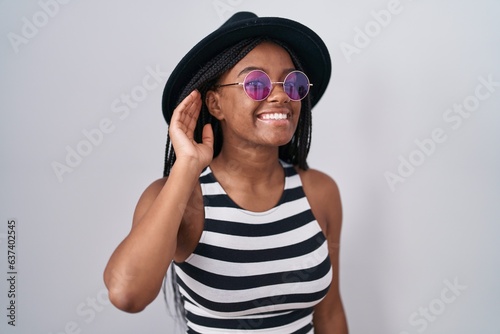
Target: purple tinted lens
column 296, row 85
column 257, row 85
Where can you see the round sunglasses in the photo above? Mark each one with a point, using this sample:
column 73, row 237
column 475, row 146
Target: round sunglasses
column 258, row 85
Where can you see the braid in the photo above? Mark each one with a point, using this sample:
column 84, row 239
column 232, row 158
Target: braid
column 296, row 151
column 203, row 81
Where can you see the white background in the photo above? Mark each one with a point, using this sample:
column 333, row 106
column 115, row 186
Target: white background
column 399, row 246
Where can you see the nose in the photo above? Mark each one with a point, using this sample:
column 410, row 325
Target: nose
column 278, row 93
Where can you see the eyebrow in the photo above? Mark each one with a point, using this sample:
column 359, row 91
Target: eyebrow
column 252, row 68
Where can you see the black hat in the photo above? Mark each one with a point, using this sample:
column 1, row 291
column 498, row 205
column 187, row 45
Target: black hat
column 307, row 45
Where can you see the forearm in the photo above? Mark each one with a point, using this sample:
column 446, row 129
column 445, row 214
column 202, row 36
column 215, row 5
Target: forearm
column 136, row 269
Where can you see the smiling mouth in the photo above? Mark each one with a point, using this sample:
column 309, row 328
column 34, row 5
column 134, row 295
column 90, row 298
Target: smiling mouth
column 274, row 116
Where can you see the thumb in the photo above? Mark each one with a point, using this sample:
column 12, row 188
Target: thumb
column 208, row 135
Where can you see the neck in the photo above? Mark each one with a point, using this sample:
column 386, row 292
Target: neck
column 251, row 166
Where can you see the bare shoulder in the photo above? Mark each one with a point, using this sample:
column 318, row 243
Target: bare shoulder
column 318, row 186
column 323, row 195
column 317, row 179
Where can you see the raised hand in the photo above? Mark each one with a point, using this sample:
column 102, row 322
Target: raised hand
column 181, row 132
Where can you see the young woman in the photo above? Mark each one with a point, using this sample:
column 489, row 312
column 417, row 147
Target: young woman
column 250, row 231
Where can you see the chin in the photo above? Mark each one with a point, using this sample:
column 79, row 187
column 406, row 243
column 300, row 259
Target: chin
column 282, row 141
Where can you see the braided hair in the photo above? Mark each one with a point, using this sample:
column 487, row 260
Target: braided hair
column 294, row 152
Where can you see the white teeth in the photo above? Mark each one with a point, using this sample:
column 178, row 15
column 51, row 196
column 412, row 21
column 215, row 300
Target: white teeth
column 275, row 116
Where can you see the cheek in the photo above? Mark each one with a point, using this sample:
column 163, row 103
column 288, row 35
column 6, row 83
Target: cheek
column 296, row 111
column 237, row 108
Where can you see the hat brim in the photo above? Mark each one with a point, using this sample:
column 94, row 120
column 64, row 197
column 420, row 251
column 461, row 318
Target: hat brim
column 305, row 43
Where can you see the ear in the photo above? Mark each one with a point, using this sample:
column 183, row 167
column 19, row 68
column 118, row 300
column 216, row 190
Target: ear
column 212, row 100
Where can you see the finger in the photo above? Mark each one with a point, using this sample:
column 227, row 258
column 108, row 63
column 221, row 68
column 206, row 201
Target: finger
column 183, row 108
column 208, row 135
column 193, row 112
column 186, row 114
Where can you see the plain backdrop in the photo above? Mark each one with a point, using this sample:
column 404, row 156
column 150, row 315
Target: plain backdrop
column 408, row 128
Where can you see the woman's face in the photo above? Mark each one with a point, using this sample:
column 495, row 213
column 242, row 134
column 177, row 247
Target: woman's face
column 271, row 122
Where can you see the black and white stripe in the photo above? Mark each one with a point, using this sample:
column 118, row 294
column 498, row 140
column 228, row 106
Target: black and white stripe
column 255, row 272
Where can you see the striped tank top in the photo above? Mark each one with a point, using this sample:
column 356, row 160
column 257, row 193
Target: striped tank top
column 259, row 272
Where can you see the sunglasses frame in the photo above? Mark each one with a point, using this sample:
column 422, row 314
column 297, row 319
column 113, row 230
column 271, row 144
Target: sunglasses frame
column 309, row 84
